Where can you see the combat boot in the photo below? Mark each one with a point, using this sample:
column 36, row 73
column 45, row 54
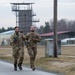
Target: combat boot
column 33, row 68
column 20, row 66
column 15, row 67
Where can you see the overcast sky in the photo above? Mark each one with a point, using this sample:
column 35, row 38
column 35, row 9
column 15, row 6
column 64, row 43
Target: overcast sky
column 42, row 8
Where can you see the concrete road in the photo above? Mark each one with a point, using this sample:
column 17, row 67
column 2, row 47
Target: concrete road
column 7, row 69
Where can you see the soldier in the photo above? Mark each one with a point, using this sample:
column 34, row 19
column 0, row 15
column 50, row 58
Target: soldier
column 18, row 49
column 32, row 37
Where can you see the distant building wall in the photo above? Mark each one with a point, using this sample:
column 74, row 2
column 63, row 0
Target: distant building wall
column 25, row 20
column 60, row 37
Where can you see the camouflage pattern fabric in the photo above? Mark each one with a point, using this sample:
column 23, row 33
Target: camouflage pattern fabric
column 17, row 42
column 32, row 38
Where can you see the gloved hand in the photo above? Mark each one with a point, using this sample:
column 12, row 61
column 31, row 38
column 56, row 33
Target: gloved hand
column 15, row 39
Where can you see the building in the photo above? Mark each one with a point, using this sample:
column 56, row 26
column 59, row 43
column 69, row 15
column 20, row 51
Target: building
column 68, row 41
column 5, row 37
column 24, row 15
column 61, row 36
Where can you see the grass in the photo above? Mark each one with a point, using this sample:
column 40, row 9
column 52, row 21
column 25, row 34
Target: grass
column 65, row 63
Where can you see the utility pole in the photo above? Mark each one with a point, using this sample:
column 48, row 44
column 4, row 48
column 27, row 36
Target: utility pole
column 55, row 28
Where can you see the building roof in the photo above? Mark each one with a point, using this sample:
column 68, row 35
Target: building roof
column 21, row 3
column 52, row 33
column 7, row 32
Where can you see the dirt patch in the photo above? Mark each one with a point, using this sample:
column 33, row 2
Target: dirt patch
column 62, row 64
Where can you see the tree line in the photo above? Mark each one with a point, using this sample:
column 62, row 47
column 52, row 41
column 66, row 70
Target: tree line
column 62, row 25
column 3, row 29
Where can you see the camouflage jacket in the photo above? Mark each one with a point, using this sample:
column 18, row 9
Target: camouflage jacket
column 17, row 41
column 33, row 38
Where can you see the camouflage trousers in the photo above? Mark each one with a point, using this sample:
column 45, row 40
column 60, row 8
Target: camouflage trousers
column 32, row 51
column 18, row 55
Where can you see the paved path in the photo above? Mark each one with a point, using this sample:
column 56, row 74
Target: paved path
column 7, row 69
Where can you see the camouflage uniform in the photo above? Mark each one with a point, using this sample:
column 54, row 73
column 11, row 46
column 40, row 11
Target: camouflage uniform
column 32, row 38
column 17, row 42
